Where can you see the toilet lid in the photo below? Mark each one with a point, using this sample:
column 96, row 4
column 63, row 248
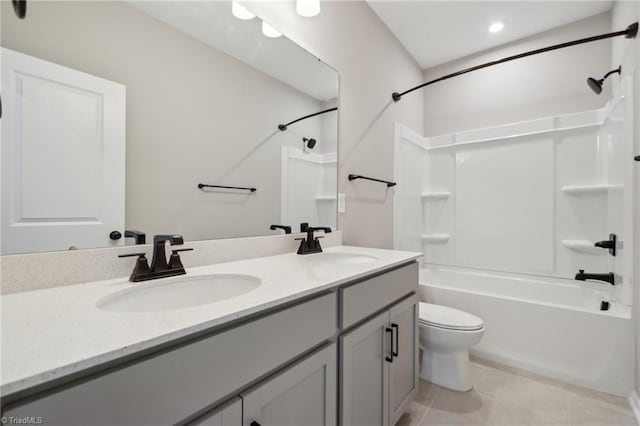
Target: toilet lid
column 445, row 317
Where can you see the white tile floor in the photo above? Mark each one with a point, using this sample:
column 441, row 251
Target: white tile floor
column 507, row 397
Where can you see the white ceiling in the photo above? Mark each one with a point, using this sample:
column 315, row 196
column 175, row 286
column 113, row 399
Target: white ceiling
column 212, row 23
column 435, row 32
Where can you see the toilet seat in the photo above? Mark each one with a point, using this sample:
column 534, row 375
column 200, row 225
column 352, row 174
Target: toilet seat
column 448, row 318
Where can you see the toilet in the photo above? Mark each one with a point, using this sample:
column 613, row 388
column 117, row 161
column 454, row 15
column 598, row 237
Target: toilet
column 446, row 334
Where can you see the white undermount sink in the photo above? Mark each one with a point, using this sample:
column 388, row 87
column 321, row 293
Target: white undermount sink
column 341, row 258
column 179, row 292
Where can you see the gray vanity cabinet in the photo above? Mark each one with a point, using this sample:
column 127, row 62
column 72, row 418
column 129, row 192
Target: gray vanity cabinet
column 403, row 371
column 364, row 378
column 302, row 395
column 378, row 367
column 229, row 414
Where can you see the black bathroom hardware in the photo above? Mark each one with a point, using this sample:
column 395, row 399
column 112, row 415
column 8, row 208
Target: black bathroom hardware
column 596, row 85
column 395, row 352
column 20, row 8
column 609, row 277
column 115, row 235
column 609, row 244
column 311, row 244
column 284, row 127
column 308, row 143
column 254, row 423
column 630, row 32
column 304, row 226
column 159, row 266
column 139, row 237
column 605, row 305
column 636, row 158
column 202, row 185
column 286, row 229
column 389, row 358
column 354, row 177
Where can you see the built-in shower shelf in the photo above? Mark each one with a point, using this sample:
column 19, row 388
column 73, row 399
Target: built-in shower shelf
column 595, row 189
column 326, row 198
column 582, row 246
column 435, row 238
column 435, row 196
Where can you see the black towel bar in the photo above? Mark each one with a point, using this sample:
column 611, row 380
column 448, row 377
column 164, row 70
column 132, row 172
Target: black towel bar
column 389, row 184
column 202, row 185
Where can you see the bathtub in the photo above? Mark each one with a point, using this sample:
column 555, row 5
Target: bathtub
column 551, row 327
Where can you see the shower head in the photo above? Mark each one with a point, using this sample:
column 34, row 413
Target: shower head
column 308, row 143
column 596, row 85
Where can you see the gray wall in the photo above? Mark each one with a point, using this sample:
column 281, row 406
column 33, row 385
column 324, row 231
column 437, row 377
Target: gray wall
column 193, row 114
column 538, row 86
column 372, row 64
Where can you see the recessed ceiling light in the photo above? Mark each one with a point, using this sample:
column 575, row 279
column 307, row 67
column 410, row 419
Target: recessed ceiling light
column 269, row 31
column 496, row 26
column 241, row 12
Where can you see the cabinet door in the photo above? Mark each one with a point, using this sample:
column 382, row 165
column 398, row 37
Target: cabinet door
column 403, row 371
column 229, row 414
column 304, row 394
column 364, row 374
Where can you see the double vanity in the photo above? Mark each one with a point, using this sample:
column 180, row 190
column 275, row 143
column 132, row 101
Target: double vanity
column 321, row 339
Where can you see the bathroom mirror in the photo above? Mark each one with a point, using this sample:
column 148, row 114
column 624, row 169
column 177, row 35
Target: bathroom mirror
column 124, row 118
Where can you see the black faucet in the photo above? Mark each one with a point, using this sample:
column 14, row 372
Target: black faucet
column 311, row 244
column 160, row 268
column 139, row 237
column 286, row 229
column 609, row 277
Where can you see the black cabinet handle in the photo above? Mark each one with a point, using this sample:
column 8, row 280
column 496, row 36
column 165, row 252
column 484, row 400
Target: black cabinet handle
column 390, row 331
column 254, row 423
column 115, row 235
column 397, row 350
column 637, row 158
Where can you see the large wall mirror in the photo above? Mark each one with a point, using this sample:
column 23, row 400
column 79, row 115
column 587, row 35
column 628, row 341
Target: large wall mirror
column 123, row 117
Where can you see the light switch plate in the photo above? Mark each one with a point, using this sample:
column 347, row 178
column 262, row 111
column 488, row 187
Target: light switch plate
column 342, row 203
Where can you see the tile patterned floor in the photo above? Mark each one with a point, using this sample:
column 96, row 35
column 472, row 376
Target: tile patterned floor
column 508, row 397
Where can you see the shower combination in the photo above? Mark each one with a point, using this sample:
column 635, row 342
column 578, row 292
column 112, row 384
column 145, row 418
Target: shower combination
column 596, row 85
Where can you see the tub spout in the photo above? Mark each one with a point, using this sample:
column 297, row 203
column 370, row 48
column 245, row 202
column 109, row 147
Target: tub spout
column 609, row 277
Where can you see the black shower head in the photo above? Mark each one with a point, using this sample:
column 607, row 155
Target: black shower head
column 596, row 85
column 309, row 142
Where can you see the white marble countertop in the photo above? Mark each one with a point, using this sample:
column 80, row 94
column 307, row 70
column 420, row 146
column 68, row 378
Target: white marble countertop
column 51, row 333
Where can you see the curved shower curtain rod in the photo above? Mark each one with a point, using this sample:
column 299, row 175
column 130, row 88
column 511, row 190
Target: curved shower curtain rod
column 283, row 127
column 630, row 32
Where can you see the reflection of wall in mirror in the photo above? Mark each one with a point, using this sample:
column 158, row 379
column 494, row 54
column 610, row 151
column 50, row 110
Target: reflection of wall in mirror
column 194, row 115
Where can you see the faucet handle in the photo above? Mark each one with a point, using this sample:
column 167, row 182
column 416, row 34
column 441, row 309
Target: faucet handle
column 140, row 255
column 141, row 269
column 174, row 261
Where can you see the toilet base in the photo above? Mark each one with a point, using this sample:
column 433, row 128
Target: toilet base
column 450, row 370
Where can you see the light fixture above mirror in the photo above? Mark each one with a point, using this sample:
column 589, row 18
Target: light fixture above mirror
column 308, row 8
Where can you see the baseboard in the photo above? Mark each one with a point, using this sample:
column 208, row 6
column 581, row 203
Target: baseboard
column 634, row 401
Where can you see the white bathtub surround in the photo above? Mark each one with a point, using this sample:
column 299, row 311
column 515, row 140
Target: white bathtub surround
column 26, row 272
column 551, row 327
column 524, row 197
column 51, row 333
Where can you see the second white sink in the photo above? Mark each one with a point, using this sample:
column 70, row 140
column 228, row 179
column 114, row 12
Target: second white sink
column 179, row 292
